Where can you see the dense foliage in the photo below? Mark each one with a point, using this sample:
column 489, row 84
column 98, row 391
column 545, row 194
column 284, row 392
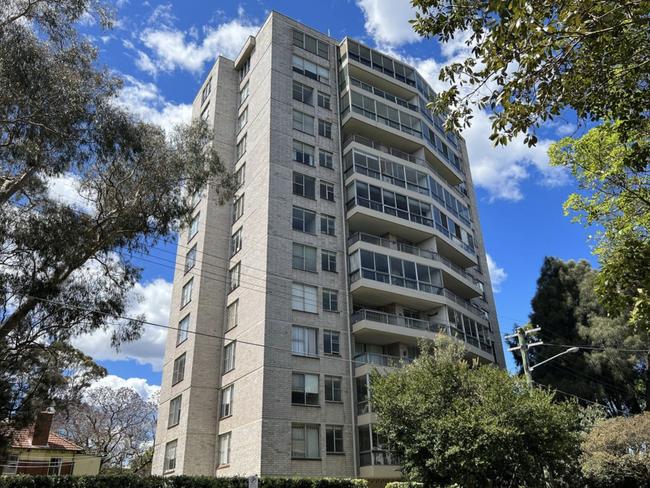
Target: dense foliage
column 172, row 482
column 474, row 425
column 616, row 454
column 66, row 267
column 612, row 368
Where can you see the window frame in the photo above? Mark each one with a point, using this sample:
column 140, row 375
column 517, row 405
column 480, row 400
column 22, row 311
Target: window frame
column 170, row 446
column 305, row 453
column 327, row 339
column 305, row 341
column 329, row 223
column 332, row 389
column 229, row 352
column 327, row 191
column 304, row 258
column 174, row 414
column 303, row 212
column 337, row 441
column 304, row 153
column 302, row 183
column 225, row 409
column 327, row 259
column 299, row 388
column 190, row 258
column 226, row 436
column 183, row 331
column 236, row 241
column 234, row 305
column 326, row 100
column 303, row 298
column 327, row 305
column 324, row 129
column 234, row 277
column 330, row 159
column 178, row 369
column 186, row 292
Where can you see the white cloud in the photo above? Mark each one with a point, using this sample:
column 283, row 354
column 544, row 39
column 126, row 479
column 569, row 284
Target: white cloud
column 172, row 49
column 146, row 102
column 497, row 275
column 140, row 385
column 65, row 189
column 387, row 21
column 151, row 300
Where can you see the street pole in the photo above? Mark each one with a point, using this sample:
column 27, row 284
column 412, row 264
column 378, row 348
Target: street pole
column 523, row 347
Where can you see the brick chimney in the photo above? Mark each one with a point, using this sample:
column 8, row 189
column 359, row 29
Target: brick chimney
column 42, row 427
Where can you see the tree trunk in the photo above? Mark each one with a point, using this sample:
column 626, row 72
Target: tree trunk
column 647, row 381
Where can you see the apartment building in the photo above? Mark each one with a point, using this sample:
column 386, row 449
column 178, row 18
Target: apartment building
column 353, row 234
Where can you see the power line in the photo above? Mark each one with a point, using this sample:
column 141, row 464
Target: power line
column 570, row 394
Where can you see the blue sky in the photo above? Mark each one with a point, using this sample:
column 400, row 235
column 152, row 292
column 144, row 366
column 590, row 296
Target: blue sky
column 164, row 50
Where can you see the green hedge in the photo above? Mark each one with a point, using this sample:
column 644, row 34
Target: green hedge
column 404, row 484
column 130, row 481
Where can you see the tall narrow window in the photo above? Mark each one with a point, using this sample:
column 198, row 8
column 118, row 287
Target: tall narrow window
column 186, row 292
column 324, row 100
column 235, row 242
column 194, row 227
column 304, row 389
column 333, row 388
column 226, row 401
column 232, row 315
column 229, row 357
column 330, row 300
column 242, row 119
column 303, row 153
column 174, row 411
column 206, row 90
column 224, row 449
column 334, row 439
column 190, row 258
column 183, row 329
column 243, row 94
column 241, row 147
column 304, row 257
column 240, row 175
column 179, row 369
column 327, row 225
column 304, row 298
column 331, row 343
column 170, row 456
column 325, row 159
column 305, row 441
column 328, row 261
column 54, row 469
column 324, row 129
column 238, row 209
column 304, row 341
column 327, row 191
column 234, row 276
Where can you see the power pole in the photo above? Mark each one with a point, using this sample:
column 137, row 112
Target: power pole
column 522, row 338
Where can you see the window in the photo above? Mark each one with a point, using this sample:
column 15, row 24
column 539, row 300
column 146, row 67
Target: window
column 190, row 258
column 205, row 113
column 303, row 93
column 183, row 328
column 245, row 67
column 243, row 94
column 303, row 122
column 311, row 44
column 224, row 449
column 304, row 257
column 174, row 411
column 195, row 198
column 170, row 456
column 238, row 209
column 242, row 119
column 304, row 389
column 328, row 261
column 226, row 401
column 179, row 369
column 330, row 300
column 235, row 242
column 310, row 70
column 327, row 191
column 232, row 315
column 305, row 441
column 324, row 100
column 304, row 298
column 239, row 176
column 304, row 186
column 11, row 466
column 334, row 439
column 333, row 389
column 332, row 342
column 194, row 227
column 303, row 153
column 186, row 293
column 54, row 469
column 304, row 340
column 325, row 159
column 241, row 147
column 206, row 90
column 229, row 357
column 234, row 277
column 327, row 225
column 324, row 129
column 304, row 220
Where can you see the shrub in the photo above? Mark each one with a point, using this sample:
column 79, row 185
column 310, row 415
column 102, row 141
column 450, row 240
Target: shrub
column 404, row 484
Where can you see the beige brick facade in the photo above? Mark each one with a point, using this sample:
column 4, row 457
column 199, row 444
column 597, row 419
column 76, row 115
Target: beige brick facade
column 262, row 410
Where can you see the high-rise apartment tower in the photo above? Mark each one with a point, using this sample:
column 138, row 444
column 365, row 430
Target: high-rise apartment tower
column 353, row 234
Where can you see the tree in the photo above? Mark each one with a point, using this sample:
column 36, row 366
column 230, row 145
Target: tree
column 116, row 424
column 66, row 269
column 615, row 453
column 612, row 366
column 531, row 59
column 453, row 422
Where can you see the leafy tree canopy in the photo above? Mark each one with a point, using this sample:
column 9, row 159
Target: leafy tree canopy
column 66, row 269
column 452, row 422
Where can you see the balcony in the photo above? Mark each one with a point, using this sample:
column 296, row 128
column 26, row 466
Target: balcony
column 398, row 153
column 375, row 327
column 459, row 280
column 382, row 360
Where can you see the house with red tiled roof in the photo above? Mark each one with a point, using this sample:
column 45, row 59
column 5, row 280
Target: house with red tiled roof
column 37, row 450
